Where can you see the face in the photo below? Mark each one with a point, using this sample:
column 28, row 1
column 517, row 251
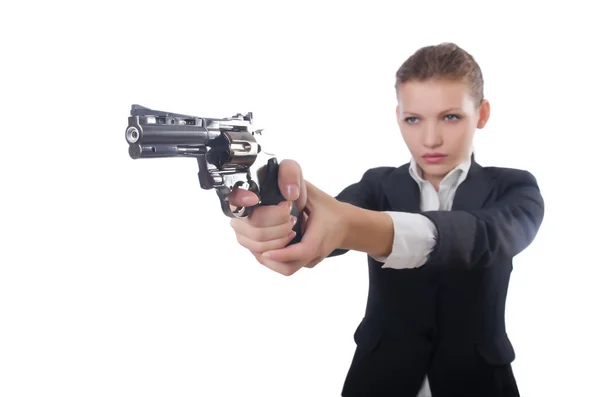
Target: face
column 437, row 120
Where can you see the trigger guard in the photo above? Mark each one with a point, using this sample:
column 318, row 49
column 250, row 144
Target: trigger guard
column 234, row 211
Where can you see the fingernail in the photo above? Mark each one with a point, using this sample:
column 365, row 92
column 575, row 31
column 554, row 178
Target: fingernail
column 293, row 192
column 266, row 255
column 292, row 235
column 293, row 219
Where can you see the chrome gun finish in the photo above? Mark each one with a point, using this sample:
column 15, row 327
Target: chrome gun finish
column 225, row 148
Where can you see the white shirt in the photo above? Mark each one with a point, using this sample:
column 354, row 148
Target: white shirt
column 414, row 234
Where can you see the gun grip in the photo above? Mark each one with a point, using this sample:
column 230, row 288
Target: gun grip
column 271, row 195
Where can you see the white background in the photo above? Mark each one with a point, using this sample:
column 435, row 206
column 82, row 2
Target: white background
column 123, row 278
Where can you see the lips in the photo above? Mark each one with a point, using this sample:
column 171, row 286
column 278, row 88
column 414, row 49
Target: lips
column 434, row 157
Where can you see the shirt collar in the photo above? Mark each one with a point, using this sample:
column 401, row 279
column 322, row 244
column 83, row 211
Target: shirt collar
column 458, row 173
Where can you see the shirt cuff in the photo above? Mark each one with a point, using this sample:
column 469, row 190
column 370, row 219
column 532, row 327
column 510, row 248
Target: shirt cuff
column 414, row 239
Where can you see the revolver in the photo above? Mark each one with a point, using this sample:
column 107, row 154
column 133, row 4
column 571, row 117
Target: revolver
column 226, row 150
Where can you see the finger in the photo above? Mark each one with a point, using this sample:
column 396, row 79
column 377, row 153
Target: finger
column 308, row 197
column 285, row 269
column 313, row 195
column 263, row 234
column 300, row 252
column 270, row 215
column 314, row 262
column 291, row 182
column 262, row 246
column 242, row 198
column 300, row 264
column 304, row 216
column 305, row 251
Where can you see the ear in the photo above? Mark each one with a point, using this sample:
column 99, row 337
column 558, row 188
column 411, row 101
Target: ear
column 484, row 113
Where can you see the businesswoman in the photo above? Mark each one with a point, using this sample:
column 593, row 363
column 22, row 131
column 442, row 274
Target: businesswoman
column 440, row 231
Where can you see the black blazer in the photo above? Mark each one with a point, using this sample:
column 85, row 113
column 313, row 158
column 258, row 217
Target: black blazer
column 446, row 318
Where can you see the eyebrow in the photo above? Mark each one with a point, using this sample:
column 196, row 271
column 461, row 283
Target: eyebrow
column 444, row 111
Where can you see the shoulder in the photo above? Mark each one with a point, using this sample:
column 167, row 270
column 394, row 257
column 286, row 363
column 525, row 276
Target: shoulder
column 509, row 176
column 512, row 182
column 384, row 172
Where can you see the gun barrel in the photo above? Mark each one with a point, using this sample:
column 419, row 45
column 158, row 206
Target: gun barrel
column 173, row 134
column 148, row 138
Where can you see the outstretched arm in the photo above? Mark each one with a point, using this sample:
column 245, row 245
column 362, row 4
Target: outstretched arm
column 363, row 194
column 461, row 238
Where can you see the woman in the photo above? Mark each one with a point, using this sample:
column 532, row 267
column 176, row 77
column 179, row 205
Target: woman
column 440, row 233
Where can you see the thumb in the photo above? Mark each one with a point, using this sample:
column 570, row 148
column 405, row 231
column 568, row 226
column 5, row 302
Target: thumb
column 291, row 182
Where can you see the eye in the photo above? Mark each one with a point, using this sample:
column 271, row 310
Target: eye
column 410, row 120
column 453, row 117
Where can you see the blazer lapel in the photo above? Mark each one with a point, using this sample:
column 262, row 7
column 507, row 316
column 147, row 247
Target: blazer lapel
column 403, row 194
column 474, row 191
column 402, row 191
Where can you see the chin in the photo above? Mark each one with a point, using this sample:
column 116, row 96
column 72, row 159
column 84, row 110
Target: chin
column 439, row 169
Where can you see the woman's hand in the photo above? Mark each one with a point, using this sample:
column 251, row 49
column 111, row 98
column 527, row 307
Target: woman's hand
column 325, row 231
column 268, row 229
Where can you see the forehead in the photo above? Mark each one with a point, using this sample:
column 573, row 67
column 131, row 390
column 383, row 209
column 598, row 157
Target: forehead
column 433, row 95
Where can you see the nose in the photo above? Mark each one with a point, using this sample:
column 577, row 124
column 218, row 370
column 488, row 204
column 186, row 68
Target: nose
column 432, row 136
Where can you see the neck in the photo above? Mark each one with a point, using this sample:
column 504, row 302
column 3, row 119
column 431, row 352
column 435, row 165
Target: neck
column 436, row 180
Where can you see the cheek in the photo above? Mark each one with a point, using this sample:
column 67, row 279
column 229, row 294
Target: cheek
column 462, row 130
column 460, row 136
column 410, row 136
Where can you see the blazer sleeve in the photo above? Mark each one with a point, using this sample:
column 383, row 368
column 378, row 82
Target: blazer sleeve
column 478, row 238
column 363, row 194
